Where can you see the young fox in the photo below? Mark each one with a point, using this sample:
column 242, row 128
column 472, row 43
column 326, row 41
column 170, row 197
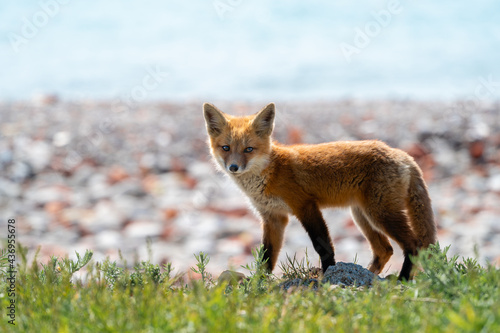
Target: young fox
column 382, row 185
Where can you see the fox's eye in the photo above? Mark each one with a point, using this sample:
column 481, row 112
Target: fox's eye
column 248, row 150
column 225, row 148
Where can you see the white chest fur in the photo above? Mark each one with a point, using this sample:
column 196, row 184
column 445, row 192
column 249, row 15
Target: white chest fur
column 254, row 187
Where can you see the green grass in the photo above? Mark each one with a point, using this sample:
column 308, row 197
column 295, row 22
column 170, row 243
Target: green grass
column 448, row 295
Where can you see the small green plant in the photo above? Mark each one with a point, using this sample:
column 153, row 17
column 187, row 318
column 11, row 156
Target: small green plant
column 50, row 272
column 257, row 267
column 111, row 272
column 146, row 272
column 202, row 262
column 448, row 275
column 259, row 277
column 167, row 270
column 143, row 273
column 57, row 269
column 355, row 259
column 71, row 266
column 294, row 269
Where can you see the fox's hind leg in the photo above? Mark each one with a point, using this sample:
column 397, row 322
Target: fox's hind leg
column 379, row 243
column 391, row 219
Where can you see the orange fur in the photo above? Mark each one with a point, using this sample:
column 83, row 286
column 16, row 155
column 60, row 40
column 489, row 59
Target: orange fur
column 382, row 185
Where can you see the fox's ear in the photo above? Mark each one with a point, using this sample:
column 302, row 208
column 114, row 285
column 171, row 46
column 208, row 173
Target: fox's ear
column 214, row 118
column 263, row 122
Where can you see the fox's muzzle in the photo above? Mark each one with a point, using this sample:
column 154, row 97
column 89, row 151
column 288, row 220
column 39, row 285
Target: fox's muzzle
column 233, row 168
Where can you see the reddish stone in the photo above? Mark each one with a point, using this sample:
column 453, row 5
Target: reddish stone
column 177, row 165
column 294, row 135
column 458, row 181
column 235, row 212
column 189, row 181
column 54, row 207
column 417, row 151
column 170, row 213
column 150, row 183
column 117, row 174
column 496, row 261
column 424, row 159
column 193, row 276
column 349, row 223
column 476, row 149
column 167, row 232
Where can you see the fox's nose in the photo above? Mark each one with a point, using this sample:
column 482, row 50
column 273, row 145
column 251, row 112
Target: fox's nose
column 233, row 168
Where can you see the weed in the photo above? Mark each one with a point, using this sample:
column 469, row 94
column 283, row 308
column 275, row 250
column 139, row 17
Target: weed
column 448, row 295
column 294, row 269
column 202, row 262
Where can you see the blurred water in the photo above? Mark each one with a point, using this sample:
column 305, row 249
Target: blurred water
column 248, row 49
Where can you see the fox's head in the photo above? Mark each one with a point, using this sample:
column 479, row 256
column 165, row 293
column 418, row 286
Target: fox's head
column 240, row 144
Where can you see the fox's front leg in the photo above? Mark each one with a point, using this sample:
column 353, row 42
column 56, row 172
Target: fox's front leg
column 274, row 228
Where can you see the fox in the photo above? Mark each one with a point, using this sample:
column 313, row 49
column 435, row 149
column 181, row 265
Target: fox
column 383, row 186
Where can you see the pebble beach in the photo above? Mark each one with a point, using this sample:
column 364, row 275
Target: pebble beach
column 137, row 181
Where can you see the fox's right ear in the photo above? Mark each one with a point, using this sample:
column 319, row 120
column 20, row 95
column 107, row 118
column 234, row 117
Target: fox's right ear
column 214, row 118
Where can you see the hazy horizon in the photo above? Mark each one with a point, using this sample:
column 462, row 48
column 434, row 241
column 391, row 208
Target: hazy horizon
column 250, row 50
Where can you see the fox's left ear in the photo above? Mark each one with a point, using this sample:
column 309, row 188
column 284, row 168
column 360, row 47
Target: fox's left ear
column 263, row 122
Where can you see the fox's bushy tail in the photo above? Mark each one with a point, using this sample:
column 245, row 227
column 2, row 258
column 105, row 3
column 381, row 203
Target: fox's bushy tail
column 420, row 209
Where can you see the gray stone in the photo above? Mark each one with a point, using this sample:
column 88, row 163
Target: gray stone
column 494, row 183
column 9, row 188
column 108, row 239
column 42, row 195
column 142, row 229
column 348, row 274
column 104, row 216
column 98, row 188
column 39, row 154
